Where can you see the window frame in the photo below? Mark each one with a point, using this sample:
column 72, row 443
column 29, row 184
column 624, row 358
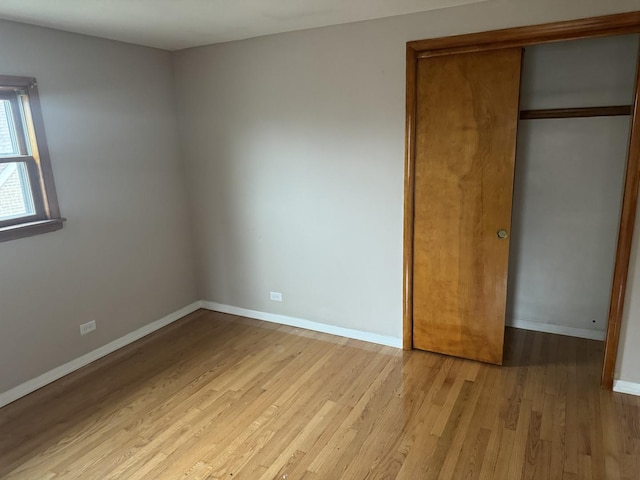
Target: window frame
column 22, row 93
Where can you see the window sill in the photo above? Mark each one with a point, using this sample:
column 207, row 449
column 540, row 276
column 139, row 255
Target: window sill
column 14, row 232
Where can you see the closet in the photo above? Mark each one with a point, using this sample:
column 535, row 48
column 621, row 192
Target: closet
column 568, row 183
column 475, row 116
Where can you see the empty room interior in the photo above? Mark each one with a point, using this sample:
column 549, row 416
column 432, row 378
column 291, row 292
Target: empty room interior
column 319, row 239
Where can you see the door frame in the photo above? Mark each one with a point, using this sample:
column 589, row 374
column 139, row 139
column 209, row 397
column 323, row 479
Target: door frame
column 609, row 25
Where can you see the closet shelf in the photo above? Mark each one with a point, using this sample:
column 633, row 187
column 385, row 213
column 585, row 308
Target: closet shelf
column 612, row 111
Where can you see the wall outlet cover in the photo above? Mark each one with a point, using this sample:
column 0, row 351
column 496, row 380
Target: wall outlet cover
column 87, row 327
column 275, row 296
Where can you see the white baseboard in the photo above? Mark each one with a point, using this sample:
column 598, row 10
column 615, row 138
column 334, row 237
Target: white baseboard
column 631, row 388
column 557, row 329
column 306, row 324
column 59, row 372
column 69, row 367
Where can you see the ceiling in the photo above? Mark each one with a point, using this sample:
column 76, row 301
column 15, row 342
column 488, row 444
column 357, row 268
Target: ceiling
column 177, row 24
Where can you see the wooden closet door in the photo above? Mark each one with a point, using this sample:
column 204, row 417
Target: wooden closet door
column 466, row 124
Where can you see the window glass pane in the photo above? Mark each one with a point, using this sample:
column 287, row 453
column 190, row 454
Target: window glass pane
column 8, row 143
column 15, row 192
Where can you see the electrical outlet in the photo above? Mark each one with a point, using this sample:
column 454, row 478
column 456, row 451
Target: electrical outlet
column 87, row 327
column 275, row 296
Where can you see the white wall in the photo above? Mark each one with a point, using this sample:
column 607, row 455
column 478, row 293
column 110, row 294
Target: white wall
column 568, row 185
column 124, row 256
column 294, row 151
column 628, row 364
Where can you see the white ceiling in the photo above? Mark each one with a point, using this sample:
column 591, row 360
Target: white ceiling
column 177, row 24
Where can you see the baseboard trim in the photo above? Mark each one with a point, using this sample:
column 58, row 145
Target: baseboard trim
column 69, row 367
column 557, row 329
column 34, row 384
column 306, row 324
column 630, row 388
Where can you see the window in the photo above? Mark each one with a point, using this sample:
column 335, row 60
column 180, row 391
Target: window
column 28, row 202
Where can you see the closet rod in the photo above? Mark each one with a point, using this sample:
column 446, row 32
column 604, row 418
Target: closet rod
column 576, row 112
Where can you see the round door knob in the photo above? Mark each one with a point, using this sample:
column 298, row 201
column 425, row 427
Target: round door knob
column 502, row 234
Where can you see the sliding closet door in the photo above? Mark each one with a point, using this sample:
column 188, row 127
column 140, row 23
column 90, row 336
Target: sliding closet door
column 466, row 122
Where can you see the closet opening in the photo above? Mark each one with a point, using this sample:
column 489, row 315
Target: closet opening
column 573, row 138
column 577, row 168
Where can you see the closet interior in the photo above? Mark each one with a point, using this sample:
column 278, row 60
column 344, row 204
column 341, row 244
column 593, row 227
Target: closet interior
column 573, row 137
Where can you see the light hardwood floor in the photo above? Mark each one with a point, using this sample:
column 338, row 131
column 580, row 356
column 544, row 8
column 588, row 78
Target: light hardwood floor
column 215, row 396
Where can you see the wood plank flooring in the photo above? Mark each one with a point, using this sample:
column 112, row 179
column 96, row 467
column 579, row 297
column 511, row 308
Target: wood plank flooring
column 215, row 396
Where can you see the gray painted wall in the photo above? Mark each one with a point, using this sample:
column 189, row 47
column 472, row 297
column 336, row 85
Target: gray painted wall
column 568, row 184
column 294, row 151
column 124, row 257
